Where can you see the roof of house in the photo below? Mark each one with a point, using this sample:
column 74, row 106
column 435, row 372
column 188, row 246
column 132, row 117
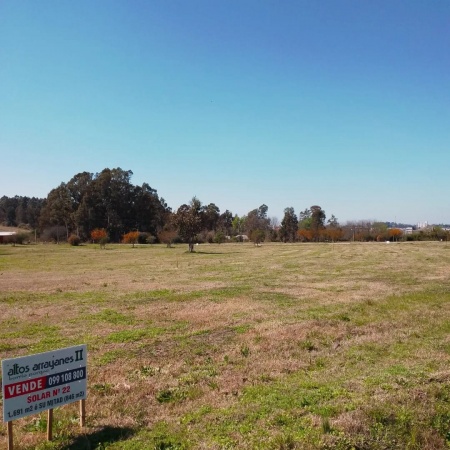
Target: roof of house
column 7, row 233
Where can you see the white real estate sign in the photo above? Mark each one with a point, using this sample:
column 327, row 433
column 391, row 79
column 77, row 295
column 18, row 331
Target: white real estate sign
column 35, row 383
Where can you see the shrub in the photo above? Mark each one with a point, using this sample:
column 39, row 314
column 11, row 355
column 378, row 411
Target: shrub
column 143, row 238
column 130, row 237
column 100, row 235
column 205, row 236
column 257, row 236
column 167, row 237
column 18, row 238
column 74, row 240
column 103, row 241
column 146, row 238
column 22, row 237
column 201, row 237
column 219, row 237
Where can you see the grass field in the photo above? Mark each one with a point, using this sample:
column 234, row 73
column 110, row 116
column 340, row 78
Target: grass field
column 282, row 346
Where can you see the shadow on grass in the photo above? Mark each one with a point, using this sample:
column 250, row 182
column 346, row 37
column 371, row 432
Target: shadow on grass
column 105, row 435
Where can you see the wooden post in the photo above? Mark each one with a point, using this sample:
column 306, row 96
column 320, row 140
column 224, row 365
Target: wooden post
column 82, row 413
column 50, row 425
column 10, row 436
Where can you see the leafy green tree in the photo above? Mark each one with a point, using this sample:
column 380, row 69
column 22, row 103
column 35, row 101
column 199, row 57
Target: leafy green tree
column 169, row 232
column 8, row 207
column 79, row 186
column 257, row 236
column 439, row 233
column 226, row 222
column 333, row 230
column 189, row 221
column 238, row 224
column 317, row 221
column 114, row 189
column 219, row 237
column 149, row 212
column 257, row 220
column 378, row 231
column 304, row 220
column 33, row 212
column 109, row 200
column 289, row 226
column 210, row 217
column 58, row 209
column 19, row 211
column 333, row 222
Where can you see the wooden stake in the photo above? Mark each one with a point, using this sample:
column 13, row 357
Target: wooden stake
column 10, row 436
column 82, row 413
column 50, row 425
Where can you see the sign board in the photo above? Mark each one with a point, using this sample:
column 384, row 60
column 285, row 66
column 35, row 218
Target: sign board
column 35, row 383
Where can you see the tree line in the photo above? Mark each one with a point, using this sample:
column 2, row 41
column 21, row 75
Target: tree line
column 108, row 201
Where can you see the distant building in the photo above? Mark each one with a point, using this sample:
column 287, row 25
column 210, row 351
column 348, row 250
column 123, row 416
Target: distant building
column 422, row 225
column 5, row 234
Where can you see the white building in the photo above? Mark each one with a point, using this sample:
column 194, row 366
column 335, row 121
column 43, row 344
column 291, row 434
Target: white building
column 422, row 225
column 5, row 234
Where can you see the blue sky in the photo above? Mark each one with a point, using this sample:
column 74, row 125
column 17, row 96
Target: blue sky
column 343, row 104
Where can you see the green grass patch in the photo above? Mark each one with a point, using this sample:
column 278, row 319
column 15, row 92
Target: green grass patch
column 111, row 356
column 136, row 334
column 113, row 317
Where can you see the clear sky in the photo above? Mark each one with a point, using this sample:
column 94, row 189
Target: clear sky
column 342, row 104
